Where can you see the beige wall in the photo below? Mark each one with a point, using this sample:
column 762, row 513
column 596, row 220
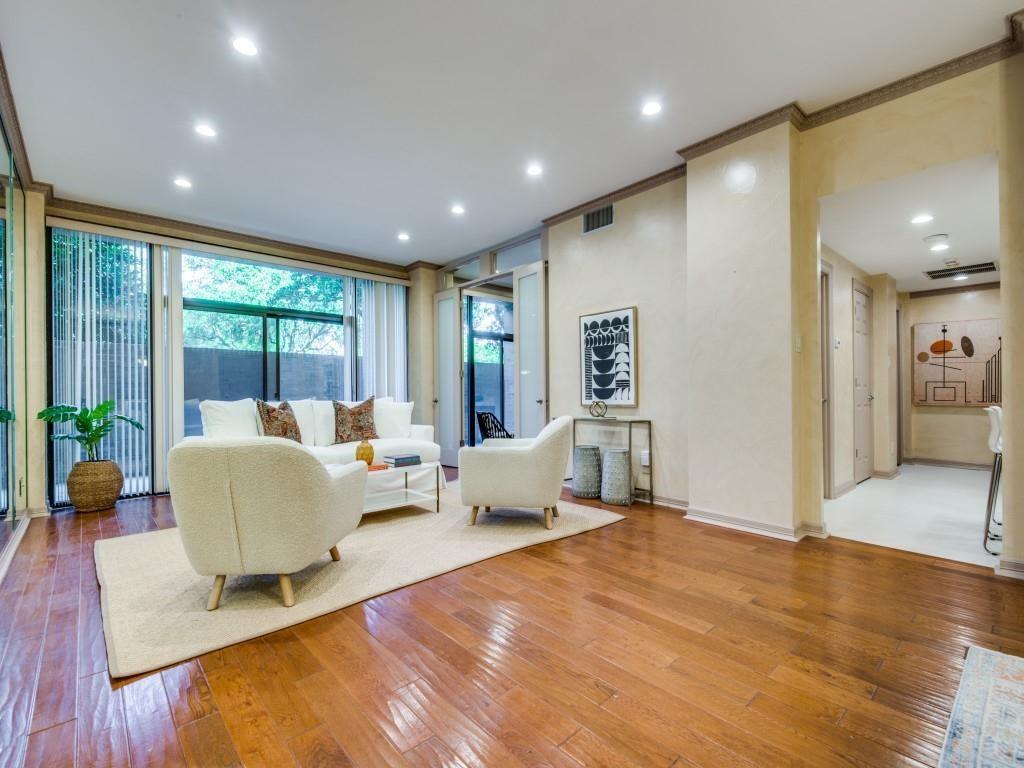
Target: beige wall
column 968, row 115
column 30, row 360
column 741, row 346
column 1011, row 240
column 421, row 343
column 933, row 432
column 639, row 261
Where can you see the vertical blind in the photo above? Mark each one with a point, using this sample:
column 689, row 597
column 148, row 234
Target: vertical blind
column 100, row 347
column 383, row 344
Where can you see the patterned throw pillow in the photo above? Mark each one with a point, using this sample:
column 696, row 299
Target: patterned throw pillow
column 355, row 423
column 278, row 421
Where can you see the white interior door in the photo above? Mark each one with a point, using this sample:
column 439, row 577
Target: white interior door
column 530, row 312
column 863, row 421
column 448, row 374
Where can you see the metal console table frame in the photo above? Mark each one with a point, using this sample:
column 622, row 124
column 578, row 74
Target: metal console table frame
column 648, row 493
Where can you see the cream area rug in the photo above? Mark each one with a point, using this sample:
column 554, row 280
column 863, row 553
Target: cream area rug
column 154, row 604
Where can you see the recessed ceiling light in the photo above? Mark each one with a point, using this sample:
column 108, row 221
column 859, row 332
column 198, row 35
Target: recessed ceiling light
column 939, row 247
column 458, row 210
column 651, row 108
column 534, row 169
column 922, row 218
column 205, row 129
column 182, row 182
column 245, row 46
column 961, row 277
column 403, row 236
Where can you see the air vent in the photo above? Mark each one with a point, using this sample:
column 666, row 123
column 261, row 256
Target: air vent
column 602, row 217
column 970, row 269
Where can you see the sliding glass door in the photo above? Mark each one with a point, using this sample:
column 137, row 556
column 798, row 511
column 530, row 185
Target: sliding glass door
column 100, row 348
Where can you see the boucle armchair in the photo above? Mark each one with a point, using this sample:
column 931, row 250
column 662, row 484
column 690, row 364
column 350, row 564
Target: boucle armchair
column 260, row 505
column 517, row 473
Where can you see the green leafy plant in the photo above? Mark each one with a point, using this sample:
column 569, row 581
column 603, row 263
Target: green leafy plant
column 91, row 424
column 6, row 415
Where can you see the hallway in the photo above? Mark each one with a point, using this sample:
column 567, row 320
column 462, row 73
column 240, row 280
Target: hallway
column 938, row 511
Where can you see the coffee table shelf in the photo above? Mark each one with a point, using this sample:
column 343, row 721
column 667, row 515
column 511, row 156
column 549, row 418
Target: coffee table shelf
column 395, row 498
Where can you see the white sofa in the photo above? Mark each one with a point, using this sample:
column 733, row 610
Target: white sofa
column 517, row 473
column 260, row 505
column 239, row 418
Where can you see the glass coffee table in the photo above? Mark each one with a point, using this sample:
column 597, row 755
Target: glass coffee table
column 380, row 496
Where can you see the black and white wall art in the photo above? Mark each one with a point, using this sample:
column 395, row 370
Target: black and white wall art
column 608, row 364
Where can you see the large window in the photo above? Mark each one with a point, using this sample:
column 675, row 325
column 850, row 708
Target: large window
column 279, row 333
column 100, row 347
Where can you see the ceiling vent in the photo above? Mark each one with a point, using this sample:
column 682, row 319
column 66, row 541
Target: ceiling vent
column 970, row 269
column 602, row 217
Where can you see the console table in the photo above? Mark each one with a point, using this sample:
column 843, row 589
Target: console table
column 645, row 493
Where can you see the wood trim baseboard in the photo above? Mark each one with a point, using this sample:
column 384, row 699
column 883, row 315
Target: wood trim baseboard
column 7, row 556
column 742, row 524
column 1014, row 569
column 949, row 464
column 668, row 501
column 953, row 289
column 842, row 490
column 675, row 172
column 813, row 530
column 886, row 475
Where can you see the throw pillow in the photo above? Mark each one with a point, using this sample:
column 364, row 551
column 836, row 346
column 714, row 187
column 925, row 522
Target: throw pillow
column 278, row 421
column 393, row 419
column 355, row 423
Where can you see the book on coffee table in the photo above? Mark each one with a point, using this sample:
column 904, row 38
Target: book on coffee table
column 402, row 460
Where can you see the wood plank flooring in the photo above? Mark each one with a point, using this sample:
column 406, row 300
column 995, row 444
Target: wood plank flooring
column 652, row 642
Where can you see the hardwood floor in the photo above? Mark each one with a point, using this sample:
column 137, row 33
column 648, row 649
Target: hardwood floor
column 655, row 641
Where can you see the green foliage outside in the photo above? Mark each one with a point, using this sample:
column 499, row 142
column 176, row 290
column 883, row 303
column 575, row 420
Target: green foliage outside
column 489, row 316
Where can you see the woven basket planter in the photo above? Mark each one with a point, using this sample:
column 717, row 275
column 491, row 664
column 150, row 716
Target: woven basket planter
column 94, row 485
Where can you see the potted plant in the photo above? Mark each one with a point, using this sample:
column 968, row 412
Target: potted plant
column 95, row 483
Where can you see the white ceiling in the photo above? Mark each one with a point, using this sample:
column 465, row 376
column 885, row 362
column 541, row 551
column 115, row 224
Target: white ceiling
column 871, row 226
column 360, row 119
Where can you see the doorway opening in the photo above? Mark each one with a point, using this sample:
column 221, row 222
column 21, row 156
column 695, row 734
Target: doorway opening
column 490, row 373
column 911, row 360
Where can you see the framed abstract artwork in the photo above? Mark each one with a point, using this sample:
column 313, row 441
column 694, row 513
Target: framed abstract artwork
column 958, row 363
column 608, row 361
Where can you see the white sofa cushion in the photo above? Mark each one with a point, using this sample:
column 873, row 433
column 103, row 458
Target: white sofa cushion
column 343, row 453
column 323, row 418
column 223, row 419
column 392, row 419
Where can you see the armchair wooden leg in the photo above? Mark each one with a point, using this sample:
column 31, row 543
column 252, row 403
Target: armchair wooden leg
column 554, row 510
column 287, row 596
column 335, row 554
column 472, row 517
column 547, row 518
column 218, row 587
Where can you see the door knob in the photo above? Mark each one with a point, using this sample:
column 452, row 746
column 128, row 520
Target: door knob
column 870, row 398
column 436, row 401
column 540, row 402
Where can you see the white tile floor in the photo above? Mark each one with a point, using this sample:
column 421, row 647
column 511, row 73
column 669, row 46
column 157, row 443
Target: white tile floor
column 936, row 511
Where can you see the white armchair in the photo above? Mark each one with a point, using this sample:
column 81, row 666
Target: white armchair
column 260, row 505
column 517, row 473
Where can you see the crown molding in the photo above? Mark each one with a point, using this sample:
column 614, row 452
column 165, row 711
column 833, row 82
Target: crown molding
column 953, row 289
column 623, row 192
column 158, row 225
column 422, row 265
column 791, row 113
column 1010, row 45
